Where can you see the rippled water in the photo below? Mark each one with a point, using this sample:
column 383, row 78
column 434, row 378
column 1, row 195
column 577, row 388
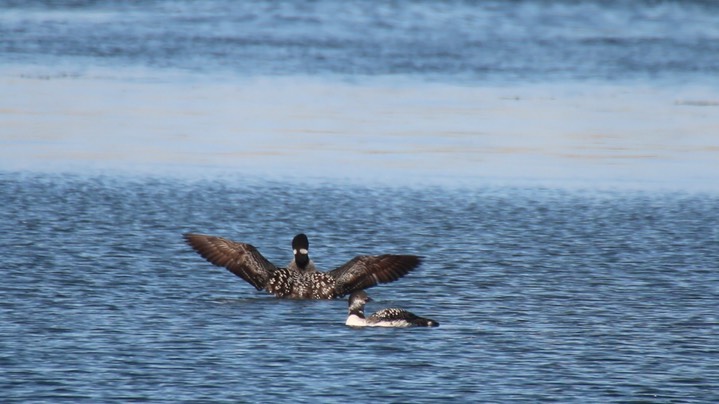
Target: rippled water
column 543, row 294
column 548, row 91
column 487, row 40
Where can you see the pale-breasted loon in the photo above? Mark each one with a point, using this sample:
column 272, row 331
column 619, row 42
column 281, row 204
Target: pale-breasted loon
column 300, row 279
column 383, row 318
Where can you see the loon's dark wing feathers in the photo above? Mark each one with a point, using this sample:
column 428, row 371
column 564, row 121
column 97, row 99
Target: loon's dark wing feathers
column 365, row 271
column 241, row 259
column 395, row 314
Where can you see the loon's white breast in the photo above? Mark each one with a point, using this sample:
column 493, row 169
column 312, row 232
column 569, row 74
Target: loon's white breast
column 356, row 321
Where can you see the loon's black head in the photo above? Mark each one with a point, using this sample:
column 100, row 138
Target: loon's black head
column 357, row 300
column 300, row 247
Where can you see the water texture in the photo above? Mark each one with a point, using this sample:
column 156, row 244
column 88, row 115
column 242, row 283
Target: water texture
column 125, row 124
column 591, row 92
column 542, row 294
column 469, row 41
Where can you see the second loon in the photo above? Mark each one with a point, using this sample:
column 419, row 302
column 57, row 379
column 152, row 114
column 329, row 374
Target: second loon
column 383, row 318
column 300, row 279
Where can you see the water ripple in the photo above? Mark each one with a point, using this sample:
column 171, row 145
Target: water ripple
column 542, row 294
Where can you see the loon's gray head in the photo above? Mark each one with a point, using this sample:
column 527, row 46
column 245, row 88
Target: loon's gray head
column 301, row 247
column 357, row 300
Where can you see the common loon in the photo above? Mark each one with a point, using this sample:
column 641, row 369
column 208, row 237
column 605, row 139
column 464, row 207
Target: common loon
column 300, row 279
column 384, row 317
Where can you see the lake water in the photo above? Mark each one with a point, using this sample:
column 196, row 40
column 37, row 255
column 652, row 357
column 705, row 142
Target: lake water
column 508, row 41
column 542, row 294
column 555, row 163
column 550, row 92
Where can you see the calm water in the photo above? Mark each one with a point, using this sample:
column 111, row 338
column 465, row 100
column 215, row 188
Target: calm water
column 474, row 41
column 545, row 293
column 591, row 92
column 542, row 294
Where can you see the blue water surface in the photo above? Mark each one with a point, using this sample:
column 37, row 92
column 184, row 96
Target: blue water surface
column 484, row 41
column 542, row 294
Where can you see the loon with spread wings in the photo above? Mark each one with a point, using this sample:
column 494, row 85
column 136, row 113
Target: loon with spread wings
column 300, row 279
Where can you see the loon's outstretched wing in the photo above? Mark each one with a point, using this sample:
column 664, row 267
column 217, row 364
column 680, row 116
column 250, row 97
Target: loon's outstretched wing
column 241, row 259
column 365, row 271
